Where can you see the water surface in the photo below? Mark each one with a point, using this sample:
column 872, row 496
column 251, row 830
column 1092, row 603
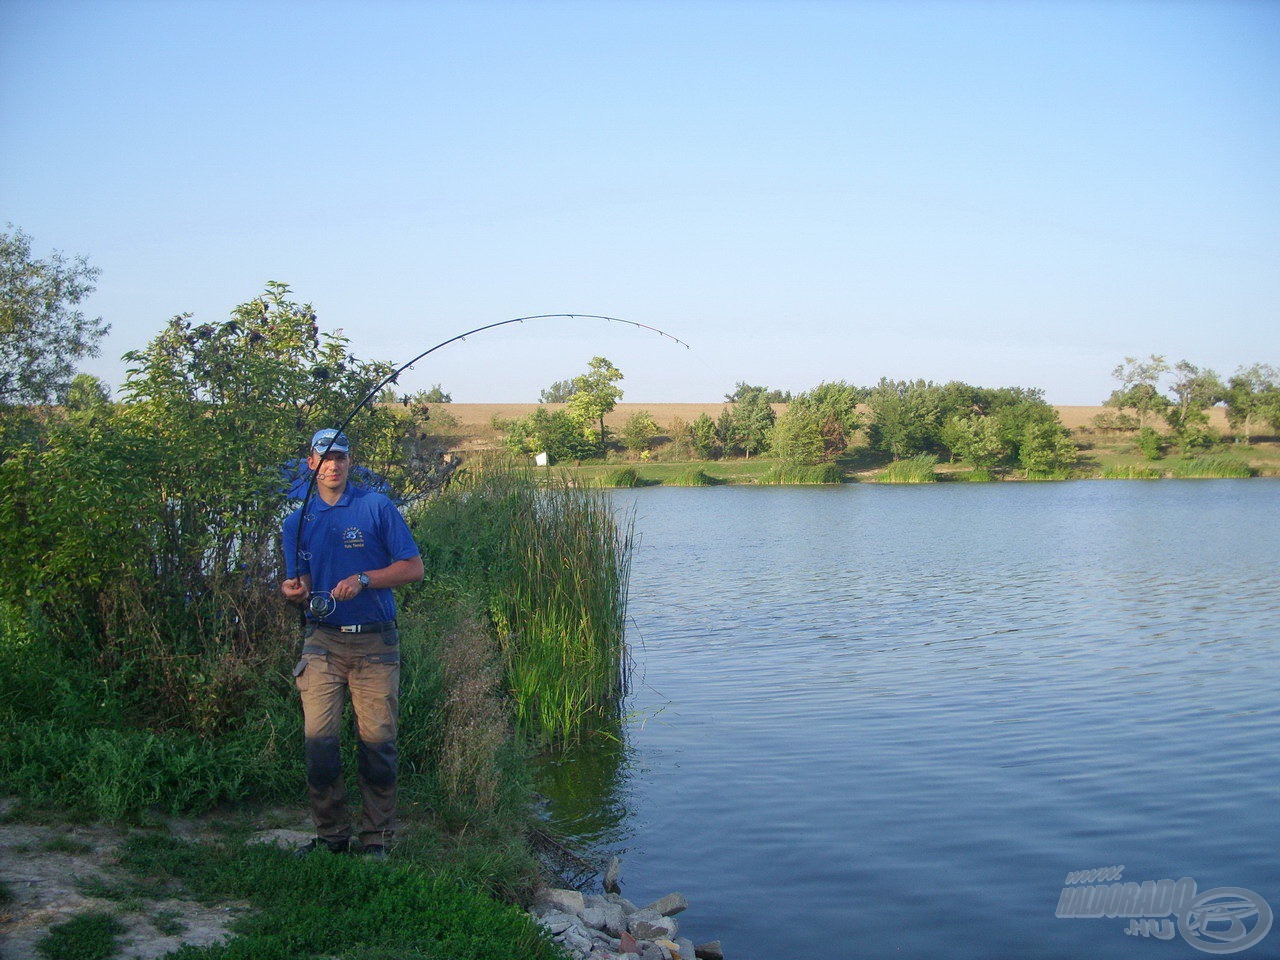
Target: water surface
column 876, row 721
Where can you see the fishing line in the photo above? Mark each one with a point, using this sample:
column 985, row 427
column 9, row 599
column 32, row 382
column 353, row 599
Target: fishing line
column 391, row 378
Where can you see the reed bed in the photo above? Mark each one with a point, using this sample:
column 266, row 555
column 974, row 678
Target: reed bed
column 549, row 563
column 623, row 477
column 1209, row 468
column 917, row 469
column 696, row 478
column 796, row 473
column 1131, row 472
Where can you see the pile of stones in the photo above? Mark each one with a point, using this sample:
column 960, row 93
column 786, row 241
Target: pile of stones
column 610, row 927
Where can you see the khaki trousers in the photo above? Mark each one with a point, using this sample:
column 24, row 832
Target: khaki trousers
column 366, row 666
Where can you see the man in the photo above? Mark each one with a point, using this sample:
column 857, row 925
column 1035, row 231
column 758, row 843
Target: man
column 355, row 548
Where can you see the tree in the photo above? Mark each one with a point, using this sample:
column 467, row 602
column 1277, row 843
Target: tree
column 797, row 436
column 975, row 439
column 435, row 395
column 558, row 392
column 748, row 424
column 1253, row 395
column 595, row 393
column 742, row 389
column 556, row 434
column 705, row 438
column 1194, row 391
column 42, row 334
column 1139, row 386
column 906, row 417
column 639, row 432
column 1047, row 450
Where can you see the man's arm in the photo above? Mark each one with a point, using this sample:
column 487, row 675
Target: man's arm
column 297, row 589
column 395, row 574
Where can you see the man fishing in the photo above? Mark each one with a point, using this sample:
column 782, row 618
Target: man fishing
column 355, row 549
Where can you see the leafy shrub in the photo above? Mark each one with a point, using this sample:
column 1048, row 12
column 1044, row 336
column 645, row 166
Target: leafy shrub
column 917, row 469
column 89, row 936
column 1150, row 443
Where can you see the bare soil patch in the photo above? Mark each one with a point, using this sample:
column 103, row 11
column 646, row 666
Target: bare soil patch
column 57, row 871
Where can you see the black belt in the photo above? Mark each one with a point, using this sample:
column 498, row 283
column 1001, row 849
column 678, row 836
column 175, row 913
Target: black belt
column 377, row 626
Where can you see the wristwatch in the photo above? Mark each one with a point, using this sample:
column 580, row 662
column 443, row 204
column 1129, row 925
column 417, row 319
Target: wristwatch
column 363, row 578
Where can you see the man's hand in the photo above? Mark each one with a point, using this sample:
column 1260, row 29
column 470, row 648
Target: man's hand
column 347, row 589
column 296, row 590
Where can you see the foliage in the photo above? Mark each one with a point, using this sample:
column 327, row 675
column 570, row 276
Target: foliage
column 146, row 537
column 705, row 438
column 595, row 393
column 975, row 439
column 1151, row 443
column 1219, row 467
column 797, row 436
column 795, row 473
column 88, row 936
column 1252, row 395
column 639, row 432
column 1140, row 387
column 1194, row 391
column 917, row 469
column 1131, row 472
column 435, row 394
column 558, row 392
column 343, row 907
column 742, row 390
column 42, row 334
column 549, row 564
column 1047, row 451
column 622, row 477
column 906, row 417
column 747, row 426
column 696, row 477
column 555, row 433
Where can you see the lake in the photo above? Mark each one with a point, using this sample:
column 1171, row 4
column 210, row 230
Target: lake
column 880, row 721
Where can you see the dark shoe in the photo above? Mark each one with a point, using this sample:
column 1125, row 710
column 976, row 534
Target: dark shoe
column 375, row 850
column 318, row 843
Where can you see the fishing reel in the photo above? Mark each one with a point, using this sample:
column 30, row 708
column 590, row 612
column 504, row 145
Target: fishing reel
column 322, row 604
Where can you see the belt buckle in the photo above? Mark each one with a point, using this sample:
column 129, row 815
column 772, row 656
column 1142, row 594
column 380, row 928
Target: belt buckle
column 350, row 628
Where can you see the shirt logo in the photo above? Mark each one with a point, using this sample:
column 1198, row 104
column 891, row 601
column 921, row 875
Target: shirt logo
column 353, row 538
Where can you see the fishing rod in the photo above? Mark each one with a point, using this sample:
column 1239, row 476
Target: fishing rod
column 391, row 378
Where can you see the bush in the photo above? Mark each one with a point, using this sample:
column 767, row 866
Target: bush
column 791, row 473
column 917, row 469
column 1150, row 443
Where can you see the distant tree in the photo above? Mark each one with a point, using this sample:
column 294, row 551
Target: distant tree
column 1140, row 387
column 975, row 439
column 1195, row 390
column 595, row 393
column 554, row 433
column 558, row 392
column 1047, row 450
column 1249, row 394
column 708, row 444
column 906, row 417
column 797, row 436
column 742, row 389
column 639, row 432
column 42, row 334
column 87, row 392
column 747, row 426
column 434, row 395
column 681, row 436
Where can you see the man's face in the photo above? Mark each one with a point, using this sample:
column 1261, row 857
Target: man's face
column 331, row 471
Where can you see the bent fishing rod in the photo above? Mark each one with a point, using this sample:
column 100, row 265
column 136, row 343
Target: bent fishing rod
column 394, row 375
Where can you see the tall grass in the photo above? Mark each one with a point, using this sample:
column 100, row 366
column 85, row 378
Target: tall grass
column 549, row 564
column 696, row 477
column 622, row 477
column 917, row 469
column 1131, row 472
column 1214, row 467
column 796, row 473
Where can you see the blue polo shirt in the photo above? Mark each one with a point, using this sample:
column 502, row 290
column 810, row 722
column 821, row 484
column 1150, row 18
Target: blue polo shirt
column 362, row 531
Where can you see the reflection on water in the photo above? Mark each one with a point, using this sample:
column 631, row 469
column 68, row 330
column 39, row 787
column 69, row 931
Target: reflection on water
column 876, row 721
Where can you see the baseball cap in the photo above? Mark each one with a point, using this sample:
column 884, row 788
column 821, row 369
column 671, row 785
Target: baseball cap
column 330, row 440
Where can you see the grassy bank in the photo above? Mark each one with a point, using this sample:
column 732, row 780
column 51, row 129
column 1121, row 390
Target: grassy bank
column 514, row 639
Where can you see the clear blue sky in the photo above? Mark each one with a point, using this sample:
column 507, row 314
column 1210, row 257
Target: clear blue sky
column 1006, row 193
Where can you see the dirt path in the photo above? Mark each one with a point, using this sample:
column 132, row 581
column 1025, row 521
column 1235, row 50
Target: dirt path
column 58, row 871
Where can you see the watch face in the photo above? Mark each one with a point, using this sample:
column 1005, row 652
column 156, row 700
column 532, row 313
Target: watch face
column 364, row 579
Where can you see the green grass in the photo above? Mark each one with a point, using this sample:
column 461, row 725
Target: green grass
column 695, row 477
column 792, row 473
column 347, row 908
column 1131, row 472
column 1211, row 467
column 917, row 469
column 622, row 477
column 89, row 936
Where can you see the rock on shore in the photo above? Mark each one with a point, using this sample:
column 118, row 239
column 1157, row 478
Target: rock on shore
column 610, row 927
